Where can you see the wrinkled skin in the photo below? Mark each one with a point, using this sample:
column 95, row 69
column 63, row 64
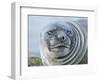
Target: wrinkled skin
column 58, row 42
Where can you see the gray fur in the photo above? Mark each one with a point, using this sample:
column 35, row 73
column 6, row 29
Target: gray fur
column 64, row 42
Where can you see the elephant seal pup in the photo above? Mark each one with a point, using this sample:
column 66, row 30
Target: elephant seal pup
column 63, row 43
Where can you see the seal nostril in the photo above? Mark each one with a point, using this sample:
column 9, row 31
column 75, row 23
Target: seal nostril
column 63, row 38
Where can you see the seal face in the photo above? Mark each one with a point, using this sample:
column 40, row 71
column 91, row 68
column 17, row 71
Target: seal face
column 62, row 43
column 57, row 40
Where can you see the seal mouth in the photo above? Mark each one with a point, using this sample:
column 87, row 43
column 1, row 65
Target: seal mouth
column 59, row 46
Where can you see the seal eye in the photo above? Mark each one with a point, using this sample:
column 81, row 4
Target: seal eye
column 69, row 33
column 49, row 33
